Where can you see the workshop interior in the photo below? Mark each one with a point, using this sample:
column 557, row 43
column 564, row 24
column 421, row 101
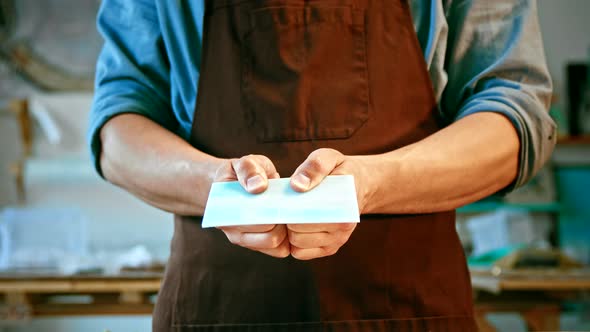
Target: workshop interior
column 79, row 254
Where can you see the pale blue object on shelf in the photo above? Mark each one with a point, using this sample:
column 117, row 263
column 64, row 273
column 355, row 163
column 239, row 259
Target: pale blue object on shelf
column 507, row 228
column 332, row 201
column 489, row 258
column 40, row 238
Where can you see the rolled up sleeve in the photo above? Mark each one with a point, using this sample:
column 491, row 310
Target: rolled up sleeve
column 495, row 63
column 132, row 72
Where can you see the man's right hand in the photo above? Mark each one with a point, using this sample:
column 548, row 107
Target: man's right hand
column 253, row 172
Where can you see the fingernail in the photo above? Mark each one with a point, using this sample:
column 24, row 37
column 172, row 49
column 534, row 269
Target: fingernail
column 301, row 181
column 255, row 182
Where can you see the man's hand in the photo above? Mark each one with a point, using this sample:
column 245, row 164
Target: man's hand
column 253, row 172
column 309, row 241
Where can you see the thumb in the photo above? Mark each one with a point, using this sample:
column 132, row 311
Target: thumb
column 315, row 168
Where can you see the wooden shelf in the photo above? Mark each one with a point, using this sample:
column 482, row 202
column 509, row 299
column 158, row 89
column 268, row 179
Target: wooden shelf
column 574, row 140
column 480, row 207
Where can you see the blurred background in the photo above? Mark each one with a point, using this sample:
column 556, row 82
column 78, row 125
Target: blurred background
column 77, row 254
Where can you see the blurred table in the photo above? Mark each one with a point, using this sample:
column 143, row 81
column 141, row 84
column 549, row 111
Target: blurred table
column 536, row 294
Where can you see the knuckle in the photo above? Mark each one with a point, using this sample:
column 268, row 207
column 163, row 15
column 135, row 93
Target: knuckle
column 247, row 163
column 240, row 238
column 315, row 164
column 347, row 226
column 224, row 171
column 342, row 241
column 233, row 238
column 261, row 228
column 231, row 162
column 298, row 255
column 296, row 252
column 268, row 228
column 283, row 252
column 262, row 159
column 331, row 251
column 274, row 241
column 294, row 238
column 293, row 228
column 324, row 151
column 278, row 253
column 237, row 163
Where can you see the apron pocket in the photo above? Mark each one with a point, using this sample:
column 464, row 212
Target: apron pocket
column 304, row 72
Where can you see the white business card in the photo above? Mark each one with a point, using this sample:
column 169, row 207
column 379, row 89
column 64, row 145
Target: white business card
column 332, row 201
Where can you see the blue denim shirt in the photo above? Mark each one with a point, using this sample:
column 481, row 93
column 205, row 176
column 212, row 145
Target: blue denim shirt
column 482, row 56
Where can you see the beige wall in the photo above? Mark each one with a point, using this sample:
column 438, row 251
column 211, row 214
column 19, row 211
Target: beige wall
column 566, row 31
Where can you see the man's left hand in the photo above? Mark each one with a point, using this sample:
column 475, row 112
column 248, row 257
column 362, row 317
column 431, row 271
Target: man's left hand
column 309, row 241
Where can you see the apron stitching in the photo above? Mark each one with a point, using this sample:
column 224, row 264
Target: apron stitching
column 332, row 322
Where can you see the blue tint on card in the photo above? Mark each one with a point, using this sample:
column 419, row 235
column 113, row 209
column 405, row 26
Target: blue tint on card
column 333, row 201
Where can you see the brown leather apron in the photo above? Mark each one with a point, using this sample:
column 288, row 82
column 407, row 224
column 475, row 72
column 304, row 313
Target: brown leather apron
column 282, row 78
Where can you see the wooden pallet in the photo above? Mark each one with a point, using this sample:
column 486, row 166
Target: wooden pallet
column 22, row 299
column 536, row 295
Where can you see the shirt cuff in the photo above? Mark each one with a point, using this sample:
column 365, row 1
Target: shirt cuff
column 536, row 131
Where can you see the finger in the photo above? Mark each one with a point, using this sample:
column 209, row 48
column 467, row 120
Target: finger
column 284, row 250
column 255, row 241
column 315, row 168
column 313, row 240
column 268, row 166
column 225, row 173
column 251, row 175
column 312, row 253
column 253, row 172
column 316, row 228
